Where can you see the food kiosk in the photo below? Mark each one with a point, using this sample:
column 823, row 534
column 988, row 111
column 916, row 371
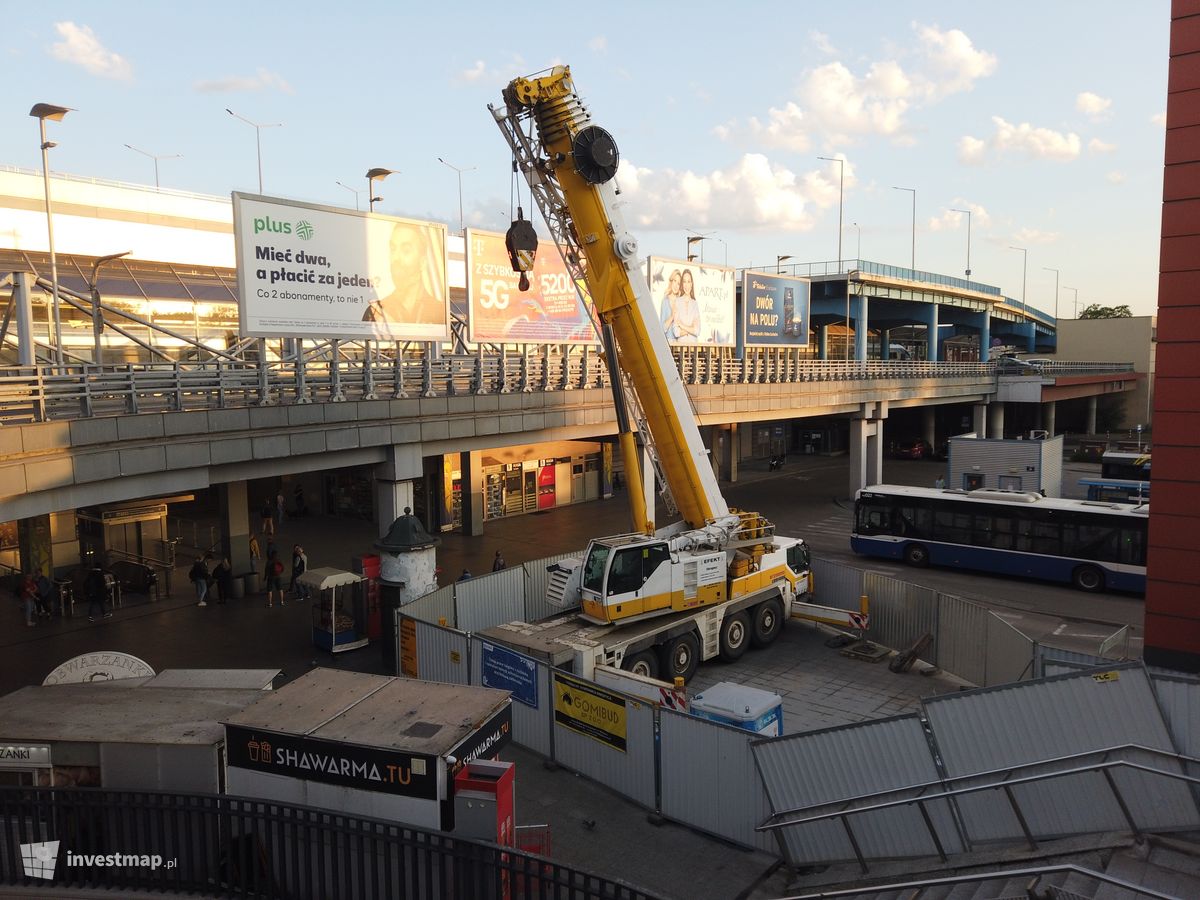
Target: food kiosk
column 339, row 620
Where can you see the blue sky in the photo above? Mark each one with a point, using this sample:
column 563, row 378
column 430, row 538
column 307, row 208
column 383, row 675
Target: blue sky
column 1044, row 119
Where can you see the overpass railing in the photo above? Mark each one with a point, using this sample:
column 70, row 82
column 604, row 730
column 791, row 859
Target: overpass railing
column 49, row 392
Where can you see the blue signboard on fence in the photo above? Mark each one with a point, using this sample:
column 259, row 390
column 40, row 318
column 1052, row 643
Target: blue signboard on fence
column 509, row 671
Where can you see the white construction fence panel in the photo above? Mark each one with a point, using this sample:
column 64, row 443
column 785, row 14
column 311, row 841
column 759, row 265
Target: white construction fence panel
column 497, row 666
column 619, row 752
column 822, row 772
column 1010, row 727
column 1010, row 654
column 836, row 584
column 900, row 612
column 962, row 638
column 433, row 607
column 491, row 599
column 709, row 780
column 442, row 653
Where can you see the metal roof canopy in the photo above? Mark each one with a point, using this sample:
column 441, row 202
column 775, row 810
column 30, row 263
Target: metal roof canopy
column 209, row 679
column 97, row 713
column 374, row 711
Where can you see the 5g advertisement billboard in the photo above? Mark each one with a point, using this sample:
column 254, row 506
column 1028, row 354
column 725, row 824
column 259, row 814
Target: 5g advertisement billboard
column 319, row 272
column 774, row 310
column 695, row 303
column 550, row 312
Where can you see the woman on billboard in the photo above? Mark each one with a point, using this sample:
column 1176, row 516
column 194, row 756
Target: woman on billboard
column 684, row 323
column 667, row 309
column 418, row 294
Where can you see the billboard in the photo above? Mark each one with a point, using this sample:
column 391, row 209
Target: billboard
column 550, row 312
column 695, row 303
column 318, row 272
column 774, row 310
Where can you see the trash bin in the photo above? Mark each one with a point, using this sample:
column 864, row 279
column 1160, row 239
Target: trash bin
column 250, row 584
column 239, row 587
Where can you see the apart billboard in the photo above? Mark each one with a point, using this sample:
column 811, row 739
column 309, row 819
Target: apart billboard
column 550, row 312
column 695, row 304
column 310, row 271
column 774, row 310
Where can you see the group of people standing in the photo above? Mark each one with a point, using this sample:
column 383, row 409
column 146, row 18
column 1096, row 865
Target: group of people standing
column 40, row 598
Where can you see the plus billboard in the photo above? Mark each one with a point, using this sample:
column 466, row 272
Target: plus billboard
column 775, row 310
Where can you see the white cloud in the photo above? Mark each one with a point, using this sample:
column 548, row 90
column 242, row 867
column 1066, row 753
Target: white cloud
column 835, row 105
column 1093, row 106
column 81, row 47
column 262, row 80
column 1115, row 177
column 1159, row 119
column 1023, row 139
column 1035, row 236
column 821, row 43
column 598, row 44
column 477, row 70
column 480, row 70
column 1095, row 145
column 752, row 193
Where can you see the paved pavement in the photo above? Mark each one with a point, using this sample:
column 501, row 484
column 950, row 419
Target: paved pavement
column 590, row 827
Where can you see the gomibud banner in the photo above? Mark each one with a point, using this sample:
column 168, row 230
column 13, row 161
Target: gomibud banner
column 774, row 310
column 550, row 312
column 319, row 272
column 695, row 303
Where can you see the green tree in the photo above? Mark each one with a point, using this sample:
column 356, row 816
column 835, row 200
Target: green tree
column 1096, row 311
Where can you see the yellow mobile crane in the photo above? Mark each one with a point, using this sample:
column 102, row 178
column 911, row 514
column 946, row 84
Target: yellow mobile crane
column 719, row 579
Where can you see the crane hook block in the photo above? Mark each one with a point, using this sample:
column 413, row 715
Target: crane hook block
column 522, row 244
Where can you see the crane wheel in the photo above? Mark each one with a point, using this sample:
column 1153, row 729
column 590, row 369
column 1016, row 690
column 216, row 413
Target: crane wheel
column 735, row 636
column 644, row 664
column 766, row 620
column 680, row 657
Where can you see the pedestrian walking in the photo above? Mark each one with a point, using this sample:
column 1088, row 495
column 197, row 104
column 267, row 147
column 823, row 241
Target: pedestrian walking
column 280, row 507
column 298, row 496
column 28, row 595
column 498, row 563
column 199, row 577
column 939, row 483
column 274, row 578
column 223, row 577
column 95, row 589
column 298, row 566
column 255, row 554
column 268, row 517
column 306, row 592
column 465, row 576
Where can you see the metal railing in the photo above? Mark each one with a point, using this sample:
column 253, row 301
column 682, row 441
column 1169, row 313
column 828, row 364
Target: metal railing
column 921, row 794
column 241, row 847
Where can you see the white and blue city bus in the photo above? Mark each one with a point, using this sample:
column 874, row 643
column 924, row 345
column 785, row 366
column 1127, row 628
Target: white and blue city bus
column 1116, row 490
column 1094, row 546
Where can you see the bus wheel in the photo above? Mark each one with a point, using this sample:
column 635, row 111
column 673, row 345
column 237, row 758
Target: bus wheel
column 680, row 657
column 644, row 664
column 735, row 636
column 916, row 555
column 1088, row 578
column 767, row 621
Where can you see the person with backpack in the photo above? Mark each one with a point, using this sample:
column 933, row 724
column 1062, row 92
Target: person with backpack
column 198, row 575
column 274, row 579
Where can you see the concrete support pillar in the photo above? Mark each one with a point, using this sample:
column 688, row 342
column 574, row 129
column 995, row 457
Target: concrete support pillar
column 471, row 485
column 931, row 332
column 979, row 419
column 866, row 447
column 23, row 301
column 35, row 547
column 731, row 470
column 995, row 427
column 929, row 425
column 1029, row 333
column 1048, row 416
column 1091, row 415
column 984, row 323
column 885, row 344
column 860, row 328
column 822, row 342
column 234, row 522
column 391, row 499
column 394, row 480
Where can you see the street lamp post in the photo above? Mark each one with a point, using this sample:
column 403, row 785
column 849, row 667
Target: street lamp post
column 912, row 191
column 374, row 175
column 858, row 249
column 156, row 158
column 258, row 127
column 841, row 195
column 1056, row 273
column 42, row 112
column 726, row 246
column 1076, row 290
column 354, row 191
column 968, row 212
column 94, row 293
column 461, row 228
column 695, row 239
column 779, row 263
column 1024, row 269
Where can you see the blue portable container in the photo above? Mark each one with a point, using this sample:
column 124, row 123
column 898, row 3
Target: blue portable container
column 750, row 709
